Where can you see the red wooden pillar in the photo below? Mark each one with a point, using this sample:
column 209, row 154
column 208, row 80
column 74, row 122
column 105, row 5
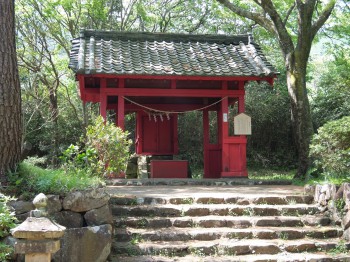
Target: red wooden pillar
column 206, row 142
column 241, row 105
column 121, row 111
column 175, row 135
column 225, row 160
column 233, row 147
column 121, row 106
column 103, row 98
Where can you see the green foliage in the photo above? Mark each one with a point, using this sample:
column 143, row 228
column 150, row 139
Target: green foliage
column 77, row 161
column 330, row 148
column 190, row 136
column 331, row 96
column 5, row 252
column 111, row 145
column 7, row 221
column 31, row 180
column 106, row 151
column 271, row 143
column 7, row 218
column 271, row 174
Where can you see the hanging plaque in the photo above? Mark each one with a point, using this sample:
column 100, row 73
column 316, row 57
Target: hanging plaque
column 242, row 124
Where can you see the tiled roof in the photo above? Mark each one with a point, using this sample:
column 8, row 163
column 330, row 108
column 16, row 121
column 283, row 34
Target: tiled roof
column 136, row 53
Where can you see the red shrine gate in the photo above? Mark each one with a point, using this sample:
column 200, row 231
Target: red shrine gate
column 159, row 75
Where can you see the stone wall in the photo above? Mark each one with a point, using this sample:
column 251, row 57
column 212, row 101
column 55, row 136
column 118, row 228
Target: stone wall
column 88, row 221
column 335, row 201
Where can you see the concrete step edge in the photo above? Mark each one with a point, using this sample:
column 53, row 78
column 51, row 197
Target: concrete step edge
column 221, row 221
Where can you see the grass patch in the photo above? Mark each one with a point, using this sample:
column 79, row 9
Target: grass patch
column 270, row 174
column 30, row 180
column 327, row 180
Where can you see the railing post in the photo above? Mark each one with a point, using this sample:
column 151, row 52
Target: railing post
column 38, row 237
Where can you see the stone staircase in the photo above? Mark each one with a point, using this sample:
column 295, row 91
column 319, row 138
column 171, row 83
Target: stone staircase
column 237, row 228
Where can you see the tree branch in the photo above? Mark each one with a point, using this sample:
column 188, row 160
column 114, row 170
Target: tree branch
column 256, row 17
column 284, row 37
column 322, row 18
column 290, row 10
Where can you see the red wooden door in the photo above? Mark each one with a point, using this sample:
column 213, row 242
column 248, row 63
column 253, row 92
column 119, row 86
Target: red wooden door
column 156, row 137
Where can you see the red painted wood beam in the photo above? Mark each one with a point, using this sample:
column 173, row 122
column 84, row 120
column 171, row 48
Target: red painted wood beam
column 166, row 107
column 181, row 77
column 168, row 92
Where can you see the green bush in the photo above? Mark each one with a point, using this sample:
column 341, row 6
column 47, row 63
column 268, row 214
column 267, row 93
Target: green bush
column 30, row 180
column 7, row 221
column 330, row 148
column 106, row 150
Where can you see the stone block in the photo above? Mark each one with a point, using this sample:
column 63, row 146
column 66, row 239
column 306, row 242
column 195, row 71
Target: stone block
column 317, row 193
column 316, row 220
column 346, row 234
column 54, row 204
column 22, row 207
column 69, row 219
column 131, row 170
column 271, row 200
column 309, row 190
column 346, row 221
column 23, row 217
column 265, row 249
column 346, row 195
column 339, row 193
column 38, row 228
column 322, row 199
column 300, row 247
column 88, row 244
column 36, row 246
column 99, row 216
column 81, row 201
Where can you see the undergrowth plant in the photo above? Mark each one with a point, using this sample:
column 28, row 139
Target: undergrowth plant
column 7, row 221
column 330, row 148
column 29, row 180
column 105, row 151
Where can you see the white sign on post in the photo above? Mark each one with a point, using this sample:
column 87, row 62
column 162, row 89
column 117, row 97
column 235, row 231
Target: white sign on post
column 242, row 124
column 224, row 117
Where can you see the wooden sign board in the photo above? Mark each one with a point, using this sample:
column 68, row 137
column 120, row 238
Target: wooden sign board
column 242, row 124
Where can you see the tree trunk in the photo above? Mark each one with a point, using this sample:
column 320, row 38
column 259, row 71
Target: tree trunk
column 54, row 117
column 300, row 109
column 10, row 92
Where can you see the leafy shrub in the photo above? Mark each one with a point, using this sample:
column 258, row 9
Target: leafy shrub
column 30, row 180
column 106, row 150
column 330, row 148
column 7, row 221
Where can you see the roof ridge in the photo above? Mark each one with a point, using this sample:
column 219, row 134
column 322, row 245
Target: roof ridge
column 171, row 37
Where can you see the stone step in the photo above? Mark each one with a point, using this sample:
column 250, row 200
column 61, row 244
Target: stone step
column 208, row 234
column 222, row 247
column 220, row 182
column 221, row 221
column 180, row 210
column 285, row 257
column 244, row 200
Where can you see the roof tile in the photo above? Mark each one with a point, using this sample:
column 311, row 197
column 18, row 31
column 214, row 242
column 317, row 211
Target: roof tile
column 118, row 53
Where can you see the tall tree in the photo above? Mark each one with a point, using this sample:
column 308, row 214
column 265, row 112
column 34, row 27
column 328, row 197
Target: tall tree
column 295, row 24
column 10, row 93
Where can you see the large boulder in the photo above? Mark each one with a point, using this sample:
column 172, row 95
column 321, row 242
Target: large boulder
column 22, row 207
column 69, row 219
column 54, row 204
column 99, row 216
column 88, row 244
column 82, row 201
